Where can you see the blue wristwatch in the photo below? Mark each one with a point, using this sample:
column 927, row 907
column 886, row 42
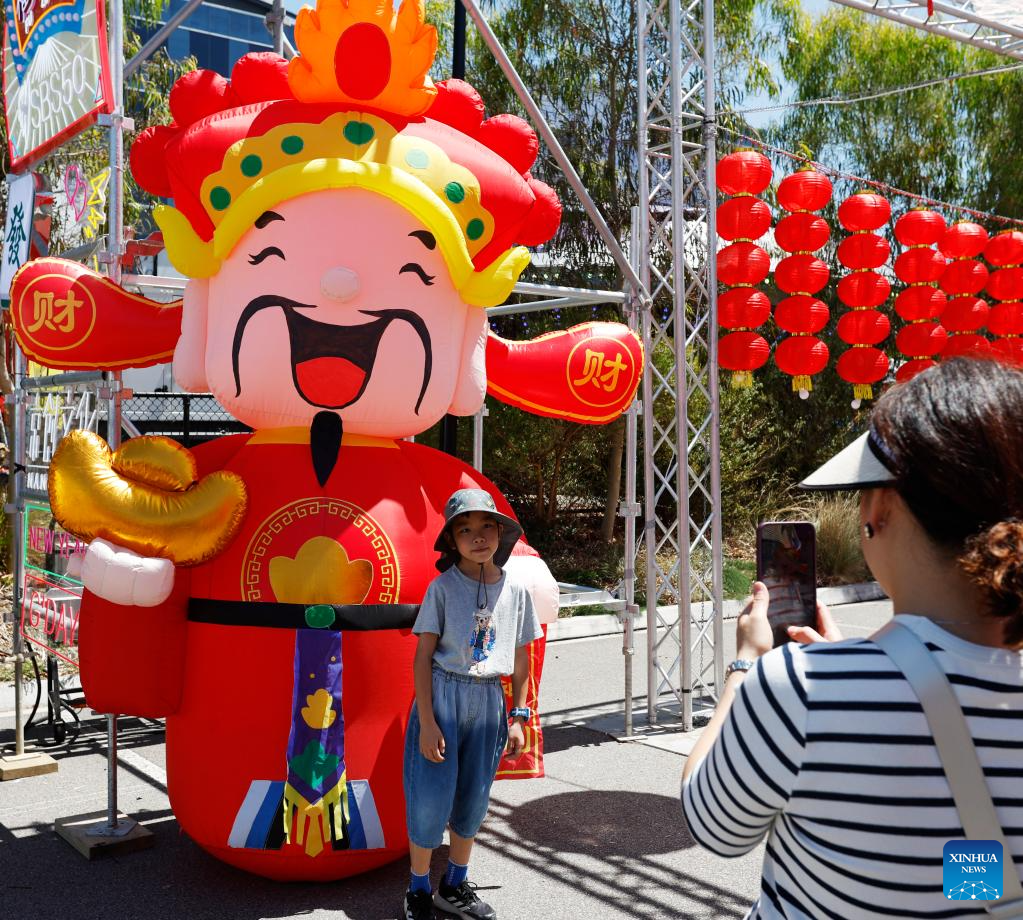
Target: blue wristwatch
column 520, row 712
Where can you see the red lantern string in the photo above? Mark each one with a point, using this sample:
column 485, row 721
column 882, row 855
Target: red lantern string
column 1005, row 251
column 863, row 290
column 965, row 276
column 743, row 265
column 920, row 266
column 801, row 275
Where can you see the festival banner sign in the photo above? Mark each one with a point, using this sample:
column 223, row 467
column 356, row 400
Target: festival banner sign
column 50, row 597
column 56, row 78
column 21, row 196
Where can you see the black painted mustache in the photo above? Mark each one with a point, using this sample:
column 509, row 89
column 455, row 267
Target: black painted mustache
column 384, row 319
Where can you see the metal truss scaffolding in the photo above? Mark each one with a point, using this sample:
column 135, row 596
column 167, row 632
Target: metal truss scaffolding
column 682, row 488
column 983, row 23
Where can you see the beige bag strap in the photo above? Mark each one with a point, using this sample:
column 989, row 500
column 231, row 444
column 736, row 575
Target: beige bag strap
column 958, row 755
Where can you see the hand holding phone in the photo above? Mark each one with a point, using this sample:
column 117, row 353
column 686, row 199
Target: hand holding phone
column 787, row 565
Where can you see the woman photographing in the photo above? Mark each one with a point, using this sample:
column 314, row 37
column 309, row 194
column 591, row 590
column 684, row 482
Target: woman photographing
column 826, row 748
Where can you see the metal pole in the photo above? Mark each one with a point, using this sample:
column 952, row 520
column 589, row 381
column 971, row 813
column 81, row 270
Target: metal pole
column 17, row 473
column 458, row 43
column 504, row 62
column 678, row 319
column 115, row 248
column 159, row 37
column 477, row 438
column 649, row 537
column 710, row 179
column 276, row 19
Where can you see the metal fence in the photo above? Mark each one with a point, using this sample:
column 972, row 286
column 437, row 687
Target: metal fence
column 189, row 418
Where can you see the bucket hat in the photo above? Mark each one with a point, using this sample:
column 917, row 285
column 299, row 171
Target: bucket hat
column 462, row 502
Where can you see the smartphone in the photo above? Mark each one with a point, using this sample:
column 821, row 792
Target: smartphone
column 787, row 564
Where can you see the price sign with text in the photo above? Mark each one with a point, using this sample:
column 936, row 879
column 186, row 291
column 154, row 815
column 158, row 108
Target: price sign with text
column 56, row 79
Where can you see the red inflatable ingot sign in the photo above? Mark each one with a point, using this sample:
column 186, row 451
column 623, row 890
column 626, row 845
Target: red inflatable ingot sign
column 1005, row 252
column 965, row 314
column 587, row 374
column 743, row 265
column 921, row 266
column 863, row 290
column 67, row 317
column 801, row 275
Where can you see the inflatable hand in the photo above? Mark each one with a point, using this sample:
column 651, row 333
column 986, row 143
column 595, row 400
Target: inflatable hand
column 122, row 577
column 145, row 498
column 532, row 572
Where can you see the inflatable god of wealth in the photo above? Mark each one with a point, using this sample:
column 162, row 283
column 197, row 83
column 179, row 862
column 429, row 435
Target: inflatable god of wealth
column 343, row 223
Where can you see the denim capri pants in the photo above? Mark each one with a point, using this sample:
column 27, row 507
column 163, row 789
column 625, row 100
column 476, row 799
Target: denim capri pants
column 471, row 714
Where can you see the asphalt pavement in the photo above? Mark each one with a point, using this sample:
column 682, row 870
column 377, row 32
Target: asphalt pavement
column 601, row 836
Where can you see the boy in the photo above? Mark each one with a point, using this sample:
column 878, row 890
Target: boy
column 474, row 626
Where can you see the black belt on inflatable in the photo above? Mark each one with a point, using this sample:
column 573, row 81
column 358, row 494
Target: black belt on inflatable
column 334, row 617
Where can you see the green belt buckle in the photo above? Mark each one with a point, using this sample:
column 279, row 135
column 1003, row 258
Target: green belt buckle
column 319, row 616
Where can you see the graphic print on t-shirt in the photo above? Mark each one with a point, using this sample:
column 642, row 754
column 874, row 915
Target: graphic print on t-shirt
column 482, row 639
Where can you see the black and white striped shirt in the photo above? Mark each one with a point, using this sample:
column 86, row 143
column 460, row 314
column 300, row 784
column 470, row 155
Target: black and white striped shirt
column 827, row 751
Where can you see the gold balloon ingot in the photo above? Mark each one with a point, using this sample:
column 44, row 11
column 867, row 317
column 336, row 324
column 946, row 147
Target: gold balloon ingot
column 145, row 498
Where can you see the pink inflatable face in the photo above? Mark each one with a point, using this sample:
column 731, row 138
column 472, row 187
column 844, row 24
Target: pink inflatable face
column 339, row 300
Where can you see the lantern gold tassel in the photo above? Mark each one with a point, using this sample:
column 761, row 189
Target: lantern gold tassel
column 802, row 382
column 742, row 379
column 863, row 391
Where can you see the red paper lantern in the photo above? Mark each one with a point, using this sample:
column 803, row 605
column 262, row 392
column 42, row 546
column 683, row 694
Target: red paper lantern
column 743, row 351
column 801, row 356
column 743, row 265
column 1006, row 283
column 805, row 190
column 801, row 314
column 743, row 306
column 920, row 302
column 743, row 218
column 745, row 172
column 802, row 232
column 863, row 212
column 1005, row 250
column 964, row 277
column 920, row 227
column 863, row 290
column 802, row 274
column 867, row 327
column 921, row 267
column 964, row 240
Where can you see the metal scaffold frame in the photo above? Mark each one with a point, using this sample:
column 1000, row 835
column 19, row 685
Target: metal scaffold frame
column 680, row 405
column 955, row 19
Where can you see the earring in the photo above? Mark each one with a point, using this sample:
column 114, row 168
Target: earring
column 868, row 530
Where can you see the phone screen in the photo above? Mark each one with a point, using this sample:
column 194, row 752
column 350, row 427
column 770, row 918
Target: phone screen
column 787, row 564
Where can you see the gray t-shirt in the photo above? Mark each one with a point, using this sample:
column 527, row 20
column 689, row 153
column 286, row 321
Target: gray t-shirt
column 475, row 641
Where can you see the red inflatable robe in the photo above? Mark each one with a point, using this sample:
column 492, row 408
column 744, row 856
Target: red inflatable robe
column 240, row 698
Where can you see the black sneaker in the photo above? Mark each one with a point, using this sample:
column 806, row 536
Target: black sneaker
column 418, row 906
column 463, row 901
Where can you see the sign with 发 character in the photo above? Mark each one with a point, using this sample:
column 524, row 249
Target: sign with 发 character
column 56, row 80
column 21, row 196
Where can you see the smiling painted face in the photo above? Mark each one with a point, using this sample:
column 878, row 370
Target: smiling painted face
column 339, row 300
